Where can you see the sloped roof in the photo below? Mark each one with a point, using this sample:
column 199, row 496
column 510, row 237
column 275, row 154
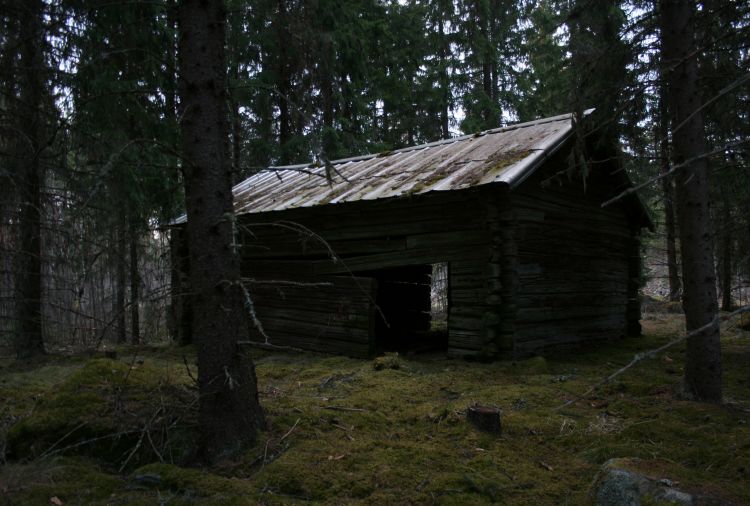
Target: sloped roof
column 503, row 155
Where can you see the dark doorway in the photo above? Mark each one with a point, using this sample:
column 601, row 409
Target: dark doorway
column 407, row 320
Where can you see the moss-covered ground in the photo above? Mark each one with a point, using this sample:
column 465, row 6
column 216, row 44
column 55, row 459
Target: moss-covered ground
column 82, row 430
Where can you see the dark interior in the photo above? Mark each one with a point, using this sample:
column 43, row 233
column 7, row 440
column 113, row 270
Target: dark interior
column 404, row 320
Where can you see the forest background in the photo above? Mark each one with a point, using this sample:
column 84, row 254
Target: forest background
column 90, row 112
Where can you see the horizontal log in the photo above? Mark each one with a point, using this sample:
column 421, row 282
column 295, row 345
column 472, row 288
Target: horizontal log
column 314, row 249
column 420, row 256
column 272, row 324
column 443, row 239
column 320, row 344
column 348, row 319
column 539, row 314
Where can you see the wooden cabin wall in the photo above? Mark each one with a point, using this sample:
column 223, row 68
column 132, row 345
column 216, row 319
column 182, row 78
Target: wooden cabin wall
column 576, row 263
column 299, row 245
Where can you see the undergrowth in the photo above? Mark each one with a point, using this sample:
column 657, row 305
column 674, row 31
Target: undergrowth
column 346, row 431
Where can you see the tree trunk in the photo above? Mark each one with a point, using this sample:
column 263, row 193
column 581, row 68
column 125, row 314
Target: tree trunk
column 229, row 413
column 169, row 84
column 444, row 84
column 726, row 254
column 121, row 282
column 703, row 367
column 237, row 173
column 284, row 87
column 675, row 286
column 29, row 339
column 135, row 283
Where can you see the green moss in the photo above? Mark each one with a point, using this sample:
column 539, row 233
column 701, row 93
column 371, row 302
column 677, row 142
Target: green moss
column 341, row 432
column 72, row 481
column 387, row 361
column 533, row 365
column 190, row 482
column 100, row 409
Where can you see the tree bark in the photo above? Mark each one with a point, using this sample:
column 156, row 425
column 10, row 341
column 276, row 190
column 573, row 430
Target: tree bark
column 675, row 285
column 237, row 173
column 726, row 254
column 444, row 83
column 135, row 283
column 29, row 340
column 283, row 82
column 703, row 367
column 169, row 84
column 229, row 413
column 121, row 281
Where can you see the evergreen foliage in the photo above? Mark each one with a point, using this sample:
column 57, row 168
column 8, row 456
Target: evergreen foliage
column 94, row 119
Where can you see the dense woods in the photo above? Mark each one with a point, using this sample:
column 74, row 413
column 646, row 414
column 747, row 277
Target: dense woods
column 110, row 127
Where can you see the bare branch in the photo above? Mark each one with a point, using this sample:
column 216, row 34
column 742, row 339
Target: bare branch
column 671, row 171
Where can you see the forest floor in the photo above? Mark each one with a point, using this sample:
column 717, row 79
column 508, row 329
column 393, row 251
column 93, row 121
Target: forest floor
column 94, row 430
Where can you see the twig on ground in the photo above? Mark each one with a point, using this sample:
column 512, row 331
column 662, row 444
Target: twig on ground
column 49, row 450
column 649, row 354
column 270, row 346
column 343, row 408
column 187, row 368
column 290, row 430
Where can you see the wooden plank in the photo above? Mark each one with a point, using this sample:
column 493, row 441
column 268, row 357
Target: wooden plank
column 420, row 256
column 350, row 319
column 442, row 239
column 311, row 329
column 323, row 344
column 313, row 249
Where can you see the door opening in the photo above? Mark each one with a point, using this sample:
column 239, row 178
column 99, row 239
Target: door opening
column 412, row 308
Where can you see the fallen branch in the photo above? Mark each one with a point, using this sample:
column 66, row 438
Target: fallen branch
column 634, row 189
column 290, row 430
column 652, row 353
column 269, row 346
column 343, row 408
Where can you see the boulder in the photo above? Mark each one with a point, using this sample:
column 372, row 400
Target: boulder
column 616, row 485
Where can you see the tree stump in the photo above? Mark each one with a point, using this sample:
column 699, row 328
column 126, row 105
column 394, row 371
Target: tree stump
column 485, row 418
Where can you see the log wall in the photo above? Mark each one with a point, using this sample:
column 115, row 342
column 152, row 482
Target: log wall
column 535, row 268
column 366, row 238
column 578, row 263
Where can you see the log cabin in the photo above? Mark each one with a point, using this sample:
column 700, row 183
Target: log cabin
column 337, row 256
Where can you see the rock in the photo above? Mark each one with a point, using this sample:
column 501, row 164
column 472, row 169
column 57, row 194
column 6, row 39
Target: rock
column 616, row 485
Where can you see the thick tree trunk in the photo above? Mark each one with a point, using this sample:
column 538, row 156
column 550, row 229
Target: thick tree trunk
column 29, row 339
column 675, row 285
column 230, row 413
column 703, row 367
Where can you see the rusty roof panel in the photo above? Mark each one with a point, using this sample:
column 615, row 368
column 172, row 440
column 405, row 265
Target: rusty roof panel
column 507, row 155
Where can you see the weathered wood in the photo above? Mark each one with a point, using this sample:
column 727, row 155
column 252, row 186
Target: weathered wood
column 421, row 256
column 633, row 308
column 536, row 267
column 484, row 418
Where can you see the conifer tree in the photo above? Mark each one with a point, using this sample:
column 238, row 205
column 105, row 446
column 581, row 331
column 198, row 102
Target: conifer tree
column 229, row 411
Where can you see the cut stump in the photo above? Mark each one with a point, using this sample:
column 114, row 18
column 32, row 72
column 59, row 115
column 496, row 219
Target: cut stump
column 485, row 418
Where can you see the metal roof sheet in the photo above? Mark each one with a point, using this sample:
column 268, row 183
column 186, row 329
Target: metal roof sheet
column 506, row 155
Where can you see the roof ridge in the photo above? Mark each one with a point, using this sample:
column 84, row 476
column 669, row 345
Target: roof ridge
column 440, row 142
